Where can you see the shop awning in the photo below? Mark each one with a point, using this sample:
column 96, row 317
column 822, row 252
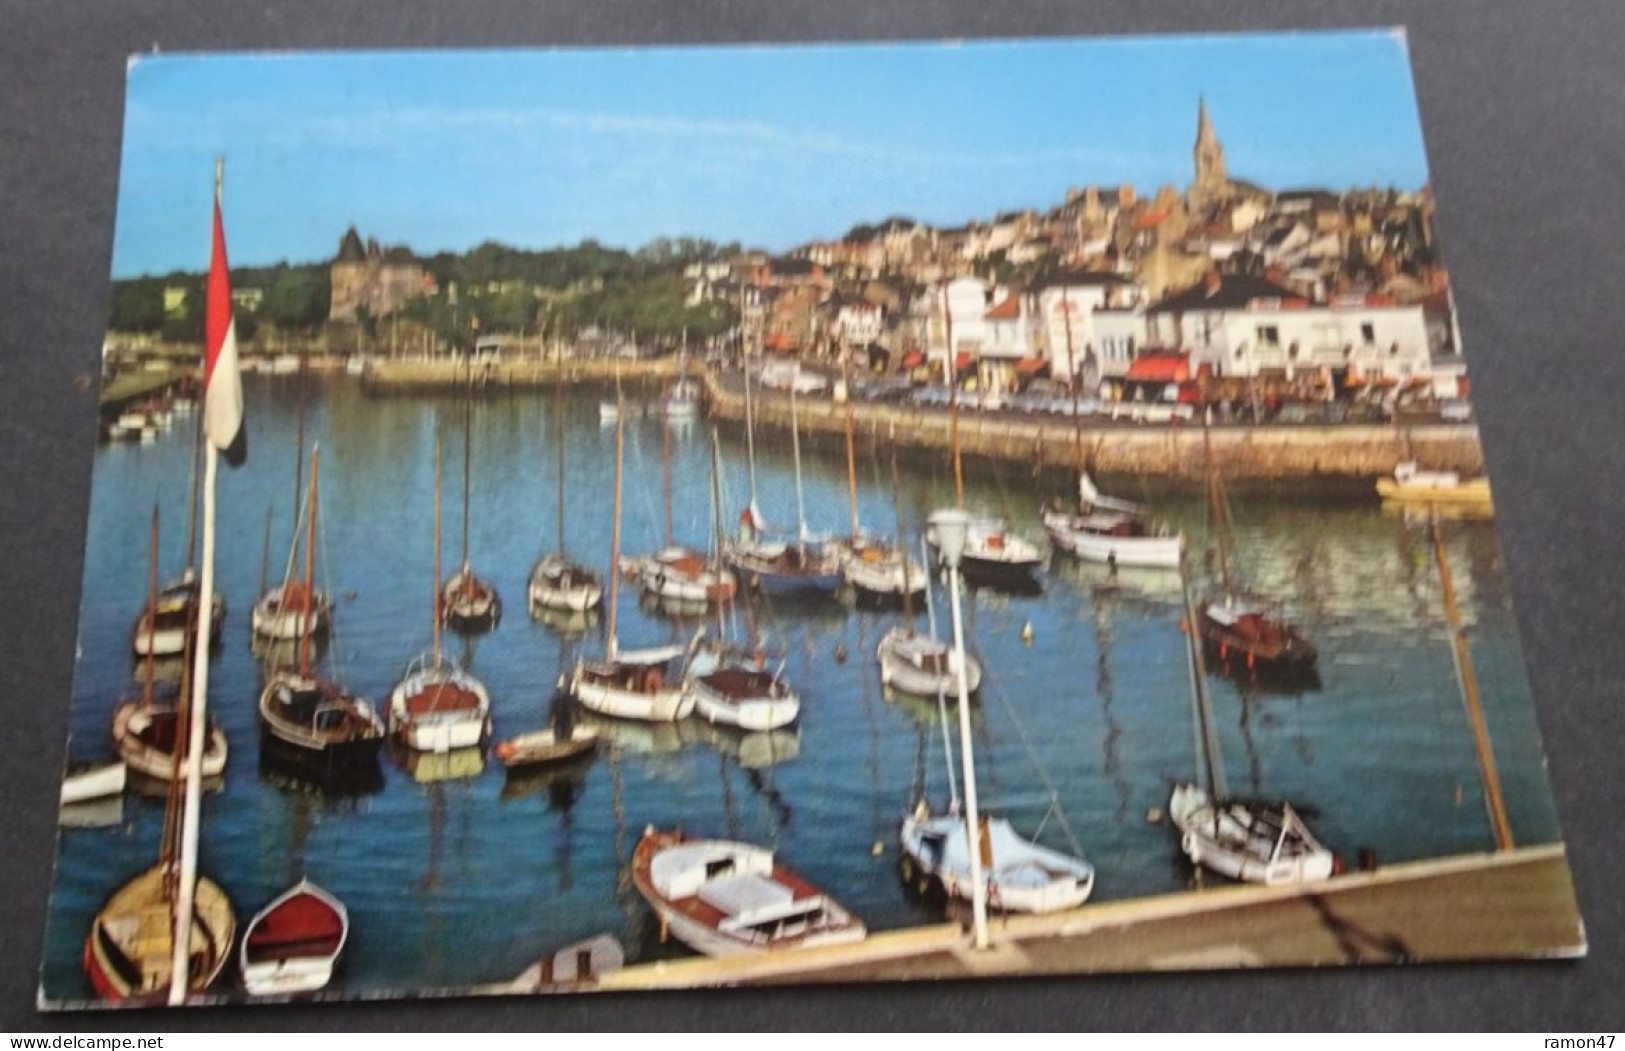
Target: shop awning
column 964, row 361
column 1159, row 368
column 913, row 360
column 1032, row 366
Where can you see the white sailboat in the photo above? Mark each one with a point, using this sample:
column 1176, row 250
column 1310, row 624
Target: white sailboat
column 556, row 582
column 438, row 707
column 1245, row 840
column 1111, row 531
column 631, row 684
column 995, row 867
column 295, row 608
column 468, row 602
column 731, row 686
column 923, row 665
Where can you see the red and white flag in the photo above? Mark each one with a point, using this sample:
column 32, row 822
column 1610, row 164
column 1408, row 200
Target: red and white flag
column 222, row 380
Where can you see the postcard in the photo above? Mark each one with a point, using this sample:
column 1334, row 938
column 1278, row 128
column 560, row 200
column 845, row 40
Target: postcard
column 579, row 520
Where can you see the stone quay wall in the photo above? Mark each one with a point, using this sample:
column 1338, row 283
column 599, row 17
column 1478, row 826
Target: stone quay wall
column 1175, row 451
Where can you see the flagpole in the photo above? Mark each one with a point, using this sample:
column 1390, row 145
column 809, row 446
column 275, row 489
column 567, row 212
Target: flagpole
column 197, row 719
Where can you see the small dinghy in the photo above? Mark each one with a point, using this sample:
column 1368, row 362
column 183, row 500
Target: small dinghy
column 292, row 944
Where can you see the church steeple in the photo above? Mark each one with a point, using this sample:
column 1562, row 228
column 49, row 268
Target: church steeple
column 1212, row 181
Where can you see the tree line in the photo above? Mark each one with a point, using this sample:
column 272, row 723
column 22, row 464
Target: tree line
column 492, row 288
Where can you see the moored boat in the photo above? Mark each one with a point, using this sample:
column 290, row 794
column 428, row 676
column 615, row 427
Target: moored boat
column 292, row 944
column 129, row 950
column 439, row 707
column 1410, row 484
column 83, row 784
column 1021, row 876
column 147, row 735
column 923, row 666
column 1111, row 531
column 543, row 748
column 735, row 689
column 724, row 898
column 164, row 624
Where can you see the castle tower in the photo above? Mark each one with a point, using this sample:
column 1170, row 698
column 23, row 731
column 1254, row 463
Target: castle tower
column 1212, row 182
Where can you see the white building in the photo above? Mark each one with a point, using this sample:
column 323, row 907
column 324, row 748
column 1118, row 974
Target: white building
column 1249, row 327
column 1088, row 321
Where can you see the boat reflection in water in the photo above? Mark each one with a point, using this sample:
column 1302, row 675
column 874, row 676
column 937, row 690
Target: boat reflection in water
column 566, row 623
column 561, row 782
column 431, row 767
column 292, row 769
column 751, row 750
column 638, row 737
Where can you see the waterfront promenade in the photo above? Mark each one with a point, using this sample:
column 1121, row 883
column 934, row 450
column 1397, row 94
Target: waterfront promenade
column 1461, row 908
column 1243, row 453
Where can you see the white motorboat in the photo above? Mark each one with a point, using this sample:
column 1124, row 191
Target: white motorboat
column 723, row 898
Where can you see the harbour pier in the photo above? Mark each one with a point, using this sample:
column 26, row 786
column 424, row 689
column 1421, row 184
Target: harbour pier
column 1469, row 907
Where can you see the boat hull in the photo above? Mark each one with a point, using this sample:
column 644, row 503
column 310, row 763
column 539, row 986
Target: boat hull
column 145, row 741
column 97, row 782
column 703, row 927
column 766, row 708
column 291, row 946
column 273, row 623
column 1139, row 552
column 558, row 585
column 923, row 667
column 1227, row 840
column 543, row 749
column 439, row 709
column 128, row 952
column 327, row 729
column 664, row 705
column 1023, row 876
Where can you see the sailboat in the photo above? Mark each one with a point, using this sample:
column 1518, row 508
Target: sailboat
column 469, row 603
column 994, row 556
column 914, row 664
column 677, row 575
column 732, row 687
column 938, row 850
column 1244, row 840
column 1110, row 530
column 796, row 566
column 170, row 617
column 437, row 706
column 636, row 684
column 149, row 731
column 292, row 944
column 1245, row 636
column 294, row 609
column 556, row 582
column 306, row 718
column 877, row 569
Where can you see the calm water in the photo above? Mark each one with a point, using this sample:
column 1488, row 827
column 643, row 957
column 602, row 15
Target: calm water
column 467, row 879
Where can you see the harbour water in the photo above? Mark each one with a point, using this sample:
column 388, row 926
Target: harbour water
column 456, row 876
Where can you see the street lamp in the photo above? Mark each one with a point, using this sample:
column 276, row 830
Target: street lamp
column 951, row 525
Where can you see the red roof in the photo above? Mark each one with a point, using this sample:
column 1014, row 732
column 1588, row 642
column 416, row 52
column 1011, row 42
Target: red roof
column 1160, row 368
column 1009, row 308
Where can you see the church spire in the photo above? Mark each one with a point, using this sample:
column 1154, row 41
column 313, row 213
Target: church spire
column 1212, row 181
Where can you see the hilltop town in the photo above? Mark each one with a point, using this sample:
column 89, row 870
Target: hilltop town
column 1307, row 292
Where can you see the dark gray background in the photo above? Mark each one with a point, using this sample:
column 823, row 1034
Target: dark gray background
column 1523, row 106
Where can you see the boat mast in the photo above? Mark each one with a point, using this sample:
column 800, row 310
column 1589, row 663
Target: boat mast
column 468, row 455
column 435, row 582
column 558, row 416
column 615, row 529
column 1221, row 527
column 1207, row 739
column 1493, row 800
column 902, row 545
column 665, row 458
column 306, row 613
column 299, row 454
column 795, row 450
column 1072, row 381
column 851, row 460
column 750, row 428
column 152, row 613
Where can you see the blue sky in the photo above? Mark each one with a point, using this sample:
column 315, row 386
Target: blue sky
column 771, row 146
